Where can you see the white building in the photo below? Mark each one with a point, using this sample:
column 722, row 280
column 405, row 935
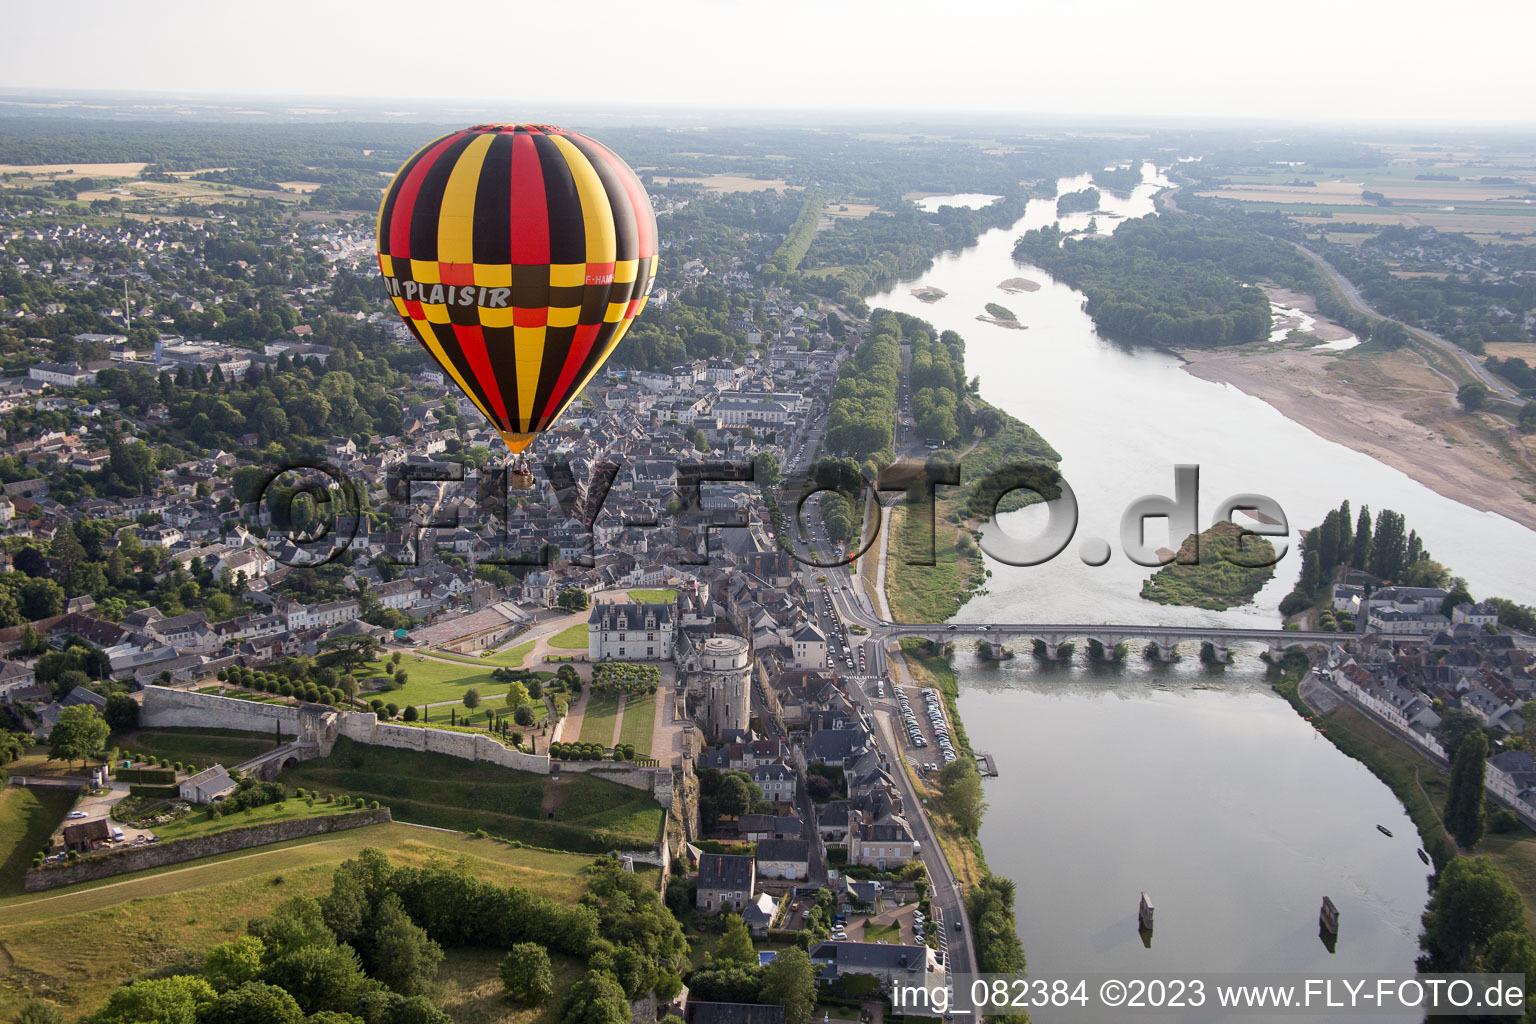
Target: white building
column 625, row 631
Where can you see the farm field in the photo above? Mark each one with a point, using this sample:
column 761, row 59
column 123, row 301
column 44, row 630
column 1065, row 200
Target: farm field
column 74, row 945
column 589, row 814
column 728, row 182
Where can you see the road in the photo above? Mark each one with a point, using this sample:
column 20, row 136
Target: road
column 1352, row 295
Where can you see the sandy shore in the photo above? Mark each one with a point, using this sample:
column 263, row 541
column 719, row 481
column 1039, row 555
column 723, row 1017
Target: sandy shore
column 1019, row 284
column 1395, row 408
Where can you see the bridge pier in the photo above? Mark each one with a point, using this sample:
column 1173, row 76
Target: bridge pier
column 993, row 650
column 1098, row 650
column 1166, row 652
column 1213, row 653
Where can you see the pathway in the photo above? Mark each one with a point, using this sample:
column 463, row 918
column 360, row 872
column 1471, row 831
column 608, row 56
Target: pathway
column 570, row 725
column 618, row 719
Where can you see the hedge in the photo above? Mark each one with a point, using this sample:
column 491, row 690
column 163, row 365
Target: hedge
column 151, row 776
column 154, row 792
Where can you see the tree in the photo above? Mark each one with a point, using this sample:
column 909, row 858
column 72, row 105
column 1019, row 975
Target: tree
column 736, row 946
column 1464, row 807
column 597, row 998
column 790, row 982
column 526, row 974
column 523, row 715
column 122, row 712
column 254, row 1002
column 471, row 698
column 174, row 1000
column 410, row 714
column 1360, row 554
column 79, row 735
column 517, row 694
column 399, row 953
column 231, row 964
column 1472, row 395
column 573, row 599
column 962, row 794
column 737, row 793
column 1472, row 903
column 319, row 977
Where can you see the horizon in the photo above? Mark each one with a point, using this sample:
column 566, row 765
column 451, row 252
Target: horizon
column 856, row 59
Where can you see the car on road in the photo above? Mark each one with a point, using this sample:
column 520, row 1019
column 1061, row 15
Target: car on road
column 952, row 627
column 77, row 814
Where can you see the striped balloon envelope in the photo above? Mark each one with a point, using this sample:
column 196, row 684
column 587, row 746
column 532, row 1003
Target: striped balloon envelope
column 518, row 255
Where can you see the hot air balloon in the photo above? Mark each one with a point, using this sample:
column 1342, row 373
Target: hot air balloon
column 518, row 255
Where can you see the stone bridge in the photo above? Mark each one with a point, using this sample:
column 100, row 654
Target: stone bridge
column 267, row 766
column 1165, row 638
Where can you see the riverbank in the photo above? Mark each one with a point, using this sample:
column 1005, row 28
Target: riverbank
column 933, row 593
column 1421, row 785
column 1394, row 407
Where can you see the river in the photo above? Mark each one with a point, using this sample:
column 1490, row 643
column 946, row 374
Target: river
column 1200, row 786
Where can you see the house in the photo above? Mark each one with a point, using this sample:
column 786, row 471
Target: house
column 206, row 786
column 883, row 844
column 725, row 882
column 759, row 914
column 784, row 858
column 15, row 677
column 890, row 964
column 83, row 835
column 809, row 645
column 777, row 782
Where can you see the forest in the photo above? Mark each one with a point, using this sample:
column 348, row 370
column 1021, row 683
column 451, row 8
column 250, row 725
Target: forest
column 1167, row 280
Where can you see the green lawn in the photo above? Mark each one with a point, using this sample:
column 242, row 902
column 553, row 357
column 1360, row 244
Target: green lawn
column 597, row 722
column 639, row 722
column 488, row 704
column 571, row 638
column 510, row 658
column 203, row 746
column 890, row 933
column 28, row 817
column 430, row 681
column 653, row 596
column 590, row 814
column 75, row 945
column 197, row 823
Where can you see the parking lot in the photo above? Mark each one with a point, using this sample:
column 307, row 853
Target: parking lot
column 929, row 740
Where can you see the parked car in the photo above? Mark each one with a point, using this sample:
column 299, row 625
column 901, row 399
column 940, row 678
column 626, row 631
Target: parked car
column 77, row 814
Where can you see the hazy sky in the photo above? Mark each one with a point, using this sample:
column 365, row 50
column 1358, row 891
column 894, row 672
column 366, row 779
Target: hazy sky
column 1354, row 60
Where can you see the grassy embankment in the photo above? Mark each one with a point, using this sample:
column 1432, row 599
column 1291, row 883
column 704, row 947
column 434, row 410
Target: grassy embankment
column 1416, row 780
column 27, row 818
column 228, row 747
column 1215, row 582
column 962, row 851
column 75, row 945
column 590, row 814
column 933, row 593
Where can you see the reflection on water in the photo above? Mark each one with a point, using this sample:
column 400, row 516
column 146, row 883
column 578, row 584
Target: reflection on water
column 1201, row 787
column 968, row 200
column 1196, row 784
